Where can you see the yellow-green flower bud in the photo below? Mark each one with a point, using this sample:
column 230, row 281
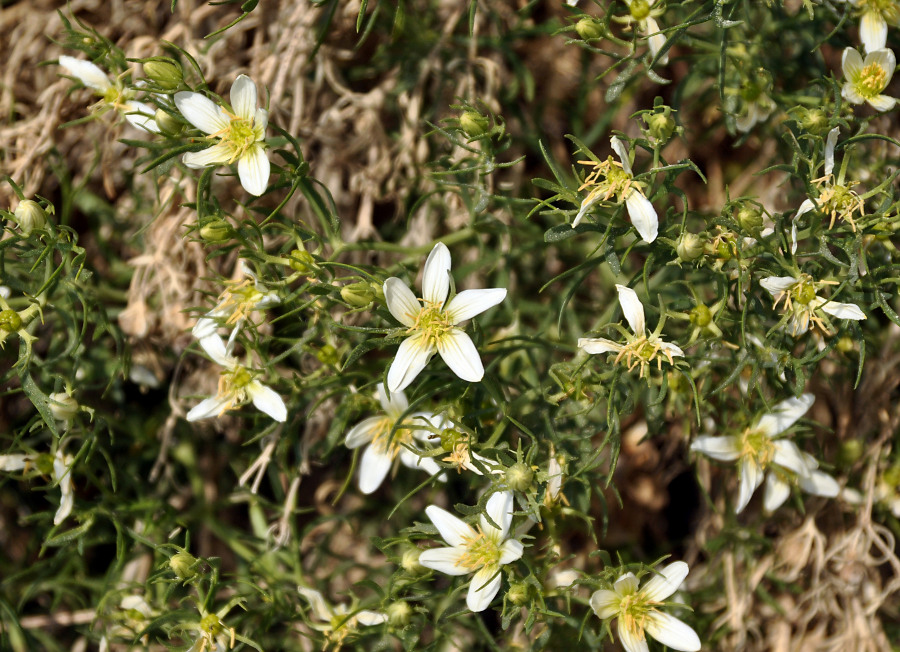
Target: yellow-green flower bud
column 167, row 123
column 700, row 316
column 63, row 406
column 358, row 294
column 302, row 261
column 474, row 124
column 30, row 216
column 399, row 614
column 750, row 219
column 846, row 345
column 182, row 564
column 519, row 593
column 660, row 126
column 410, row 561
column 849, row 452
column 216, row 229
column 589, row 29
column 378, row 290
column 165, row 72
column 519, row 476
column 10, row 321
column 689, row 246
column 328, row 355
column 815, row 121
column 639, row 9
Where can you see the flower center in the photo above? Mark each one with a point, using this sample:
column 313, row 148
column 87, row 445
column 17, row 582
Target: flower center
column 836, row 200
column 757, row 445
column 240, row 136
column 233, row 386
column 389, row 443
column 633, row 610
column 607, row 179
column 643, row 350
column 240, row 299
column 481, row 551
column 871, row 81
column 433, row 321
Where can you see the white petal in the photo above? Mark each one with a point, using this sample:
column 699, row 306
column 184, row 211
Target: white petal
column 819, row 483
column 510, row 551
column 205, row 327
column 805, row 207
column 415, row 461
column 436, row 277
column 243, row 97
column 363, row 432
column 253, row 170
column 632, row 308
column 317, row 604
column 843, row 310
column 885, row 59
column 373, row 467
column 666, row 583
column 788, row 456
column 745, row 123
column 631, row 641
column 605, row 603
column 671, row 632
column 852, row 64
column 848, row 92
column 215, row 348
column 218, row 154
column 445, row 560
column 65, row 508
column 483, row 589
column 785, row 414
column 595, row 345
column 260, row 122
column 655, row 39
column 469, row 303
column 751, row 478
column 500, row 508
column 873, row 30
column 778, row 284
column 830, row 142
column 643, row 215
column 208, row 407
column 370, row 618
column 13, row 462
column 401, row 301
column 777, row 491
column 724, row 449
column 412, row 356
column 453, row 530
column 140, row 115
column 882, row 102
column 622, row 152
column 460, row 354
column 267, row 400
column 201, row 112
column 586, row 204
column 89, row 74
column 394, row 406
column 626, row 585
column 670, row 349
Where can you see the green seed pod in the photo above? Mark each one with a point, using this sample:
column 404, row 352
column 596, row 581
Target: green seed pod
column 519, row 476
column 182, row 564
column 399, row 614
column 689, row 246
column 10, row 321
column 660, row 126
column 474, row 124
column 216, row 229
column 30, row 216
column 165, row 72
column 849, row 452
column 639, row 9
column 358, row 295
column 589, row 29
column 450, row 438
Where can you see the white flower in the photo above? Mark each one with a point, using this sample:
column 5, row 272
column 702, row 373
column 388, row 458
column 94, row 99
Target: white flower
column 756, row 110
column 389, row 438
column 340, row 620
column 802, row 304
column 618, row 181
column 239, row 133
column 61, row 473
column 638, row 614
column 236, row 304
column 114, row 96
column 759, row 449
column 641, row 348
column 874, row 18
column 237, row 385
column 481, row 551
column 215, row 635
column 432, row 322
column 865, row 80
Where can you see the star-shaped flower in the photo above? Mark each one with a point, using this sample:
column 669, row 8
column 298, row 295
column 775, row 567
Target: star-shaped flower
column 389, row 437
column 432, row 322
column 611, row 179
column 481, row 551
column 637, row 610
column 865, row 80
column 759, row 449
column 339, row 621
column 59, row 467
column 238, row 133
column 236, row 304
column 804, row 306
column 641, row 348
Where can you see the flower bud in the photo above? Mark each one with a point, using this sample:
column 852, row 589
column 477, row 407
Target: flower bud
column 639, row 9
column 689, row 246
column 589, row 29
column 814, row 121
column 700, row 316
column 410, row 561
column 519, row 476
column 474, row 124
column 358, row 295
column 377, row 290
column 519, row 593
column 216, row 229
column 182, row 564
column 165, row 72
column 30, row 216
column 399, row 614
column 302, row 261
column 660, row 126
column 62, row 406
column 450, row 438
column 849, row 452
column 167, row 123
column 10, row 321
column 328, row 355
column 750, row 219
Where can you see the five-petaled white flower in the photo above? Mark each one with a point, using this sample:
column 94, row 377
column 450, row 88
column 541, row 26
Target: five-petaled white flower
column 865, row 80
column 481, row 551
column 641, row 348
column 803, row 306
column 609, row 179
column 759, row 449
column 61, row 473
column 115, row 95
column 237, row 385
column 239, row 133
column 339, row 621
column 638, row 614
column 389, row 437
column 874, row 18
column 432, row 322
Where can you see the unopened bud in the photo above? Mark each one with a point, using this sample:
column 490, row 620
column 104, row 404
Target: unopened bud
column 518, row 593
column 399, row 613
column 358, row 294
column 410, row 561
column 30, row 216
column 519, row 476
column 165, row 72
column 474, row 124
column 302, row 261
column 377, row 290
column 450, row 438
column 216, row 230
column 10, row 321
column 167, row 123
column 62, row 406
column 182, row 564
column 328, row 355
column 750, row 219
column 660, row 126
column 700, row 316
column 849, row 452
column 589, row 29
column 689, row 246
column 814, row 121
